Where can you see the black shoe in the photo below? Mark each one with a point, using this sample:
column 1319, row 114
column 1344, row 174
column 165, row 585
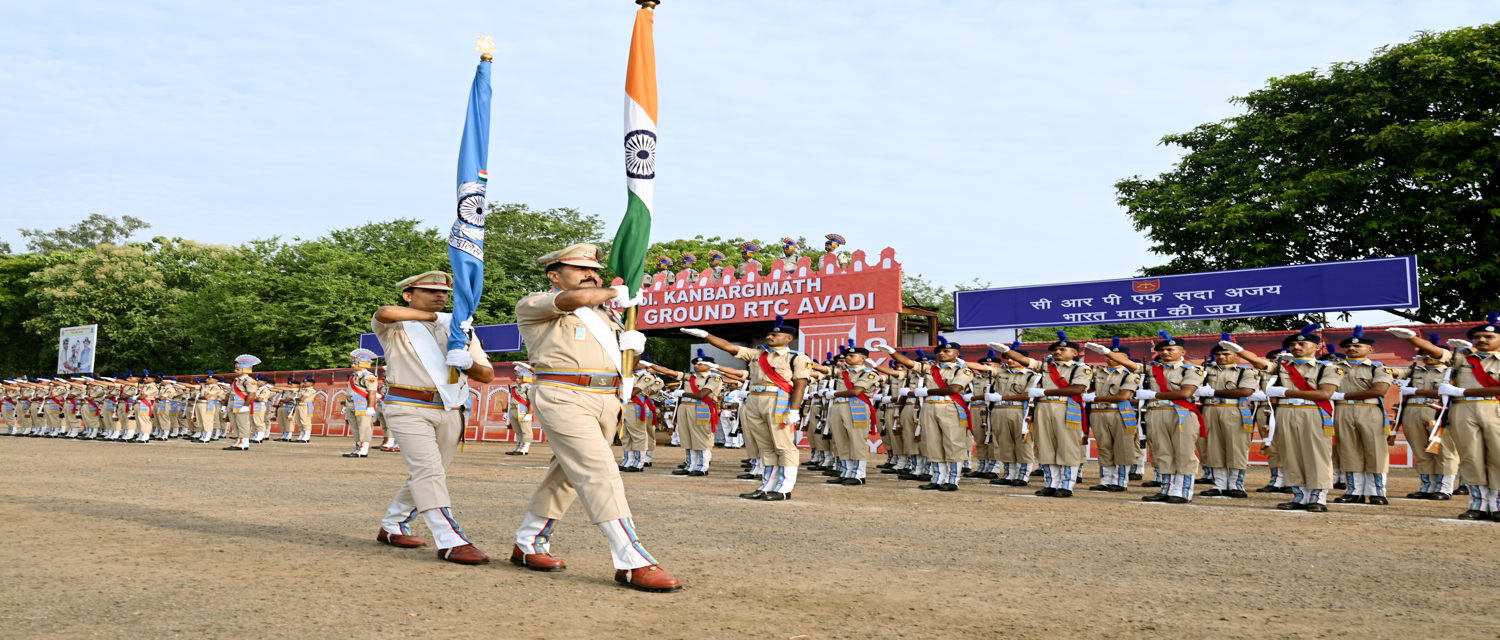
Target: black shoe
column 834, row 481
column 1155, row 497
column 748, row 461
column 647, row 464
column 773, row 496
column 989, row 475
column 1236, row 493
column 1286, row 490
column 833, row 473
column 1462, row 490
column 1020, row 483
column 1003, row 483
column 971, row 474
column 1340, row 486
column 1379, row 500
column 1348, row 499
column 907, row 476
column 1176, row 500
column 1317, row 508
column 1203, row 481
column 696, row 474
column 1151, row 484
column 682, row 466
column 515, row 453
column 931, row 486
column 1134, row 476
column 891, row 471
column 817, row 467
column 679, row 472
column 1473, row 515
column 924, row 477
column 1062, row 493
column 948, row 487
column 1420, row 495
column 1114, row 488
column 753, row 495
column 747, row 476
column 354, row 454
column 1211, row 493
column 1099, row 487
column 1046, row 492
column 1292, row 506
column 1037, row 473
column 632, row 469
column 1269, row 489
column 1439, row 496
column 888, row 465
column 234, row 448
column 853, row 482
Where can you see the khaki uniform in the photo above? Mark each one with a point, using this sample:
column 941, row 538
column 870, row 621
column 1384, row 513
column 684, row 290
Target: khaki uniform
column 1263, row 413
column 1008, row 423
column 518, row 413
column 1230, row 424
column 1361, row 428
column 1059, row 439
column 54, row 407
column 302, row 411
column 1474, row 426
column 908, row 412
column 1171, row 431
column 815, row 421
column 851, row 419
column 93, row 408
column 695, row 427
column 1115, row 425
column 259, row 410
column 944, row 424
column 639, row 435
column 762, row 414
column 242, row 394
column 359, row 405
column 1302, row 437
column 145, row 410
column 1418, row 421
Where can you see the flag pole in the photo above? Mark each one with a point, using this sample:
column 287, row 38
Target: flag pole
column 627, row 358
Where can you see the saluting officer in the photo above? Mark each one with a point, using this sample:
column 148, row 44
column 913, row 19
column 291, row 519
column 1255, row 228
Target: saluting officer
column 852, row 415
column 1421, row 405
column 639, row 435
column 1264, row 420
column 1474, row 411
column 1361, row 423
column 1114, row 421
column 1009, row 400
column 945, row 414
column 573, row 340
column 769, row 416
column 360, row 402
column 519, row 412
column 1173, row 422
column 242, row 394
column 698, row 414
column 1059, row 411
column 1304, row 388
column 1229, row 420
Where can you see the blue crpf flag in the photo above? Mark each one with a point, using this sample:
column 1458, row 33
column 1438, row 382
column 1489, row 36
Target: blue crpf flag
column 466, row 239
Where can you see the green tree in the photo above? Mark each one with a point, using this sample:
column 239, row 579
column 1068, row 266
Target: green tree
column 1396, row 155
column 918, row 291
column 93, row 231
column 22, row 352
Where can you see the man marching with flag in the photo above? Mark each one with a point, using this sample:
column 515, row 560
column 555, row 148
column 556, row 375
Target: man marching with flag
column 584, row 361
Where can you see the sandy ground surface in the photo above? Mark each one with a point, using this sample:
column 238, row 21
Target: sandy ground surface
column 184, row 540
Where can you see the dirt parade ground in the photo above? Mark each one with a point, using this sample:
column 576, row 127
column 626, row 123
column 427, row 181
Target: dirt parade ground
column 185, row 540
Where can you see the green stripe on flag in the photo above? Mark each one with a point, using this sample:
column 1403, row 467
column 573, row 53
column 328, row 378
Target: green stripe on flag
column 628, row 256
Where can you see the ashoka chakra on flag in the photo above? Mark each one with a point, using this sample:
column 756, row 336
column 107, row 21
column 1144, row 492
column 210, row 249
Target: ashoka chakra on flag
column 640, row 154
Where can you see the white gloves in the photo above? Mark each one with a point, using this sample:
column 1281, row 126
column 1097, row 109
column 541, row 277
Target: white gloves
column 1231, row 346
column 459, row 358
column 1276, row 392
column 793, row 416
column 647, row 363
column 696, row 333
column 1450, row 390
column 712, row 366
column 678, row 393
column 1035, row 393
column 1460, row 344
column 1096, row 348
column 993, row 397
column 888, row 349
column 622, row 296
column 633, row 341
column 1144, row 394
column 1338, row 396
column 466, row 325
column 1408, row 391
column 1089, row 397
column 905, row 391
column 1258, row 396
column 919, row 392
column 999, row 347
column 526, row 418
column 443, row 320
column 1402, row 333
column 1204, row 392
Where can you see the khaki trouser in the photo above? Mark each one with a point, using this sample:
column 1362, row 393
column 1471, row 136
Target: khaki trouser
column 637, row 433
column 1007, row 423
column 91, row 417
column 242, row 423
column 580, row 426
column 775, row 442
column 889, row 438
column 851, row 439
column 258, row 421
column 815, row 439
column 945, row 436
column 428, row 439
column 1360, row 438
column 302, row 419
column 1474, row 428
column 1172, row 440
column 1306, row 449
column 1228, row 438
column 143, row 418
column 521, row 428
column 205, row 417
column 693, row 433
column 907, row 422
column 1414, row 421
column 360, row 422
column 1056, row 441
column 1116, row 445
column 54, row 417
column 986, row 422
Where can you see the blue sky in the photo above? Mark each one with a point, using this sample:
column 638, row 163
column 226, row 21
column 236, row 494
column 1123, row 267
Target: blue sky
column 962, row 123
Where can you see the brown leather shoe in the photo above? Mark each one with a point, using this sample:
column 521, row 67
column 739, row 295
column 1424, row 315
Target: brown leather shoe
column 536, row 561
column 464, row 554
column 648, row 578
column 398, row 540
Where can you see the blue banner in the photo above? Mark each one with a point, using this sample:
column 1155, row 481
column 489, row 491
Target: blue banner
column 493, row 338
column 1375, row 283
column 466, row 238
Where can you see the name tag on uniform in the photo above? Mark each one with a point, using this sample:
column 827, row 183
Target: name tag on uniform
column 579, row 333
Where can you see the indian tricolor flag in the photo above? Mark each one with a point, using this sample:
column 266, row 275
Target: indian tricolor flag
column 628, row 257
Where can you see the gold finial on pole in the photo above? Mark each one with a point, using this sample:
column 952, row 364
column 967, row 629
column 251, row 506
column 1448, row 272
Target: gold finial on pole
column 648, row 4
column 486, row 48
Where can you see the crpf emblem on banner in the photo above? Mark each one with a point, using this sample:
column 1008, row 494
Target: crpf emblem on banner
column 1145, row 286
